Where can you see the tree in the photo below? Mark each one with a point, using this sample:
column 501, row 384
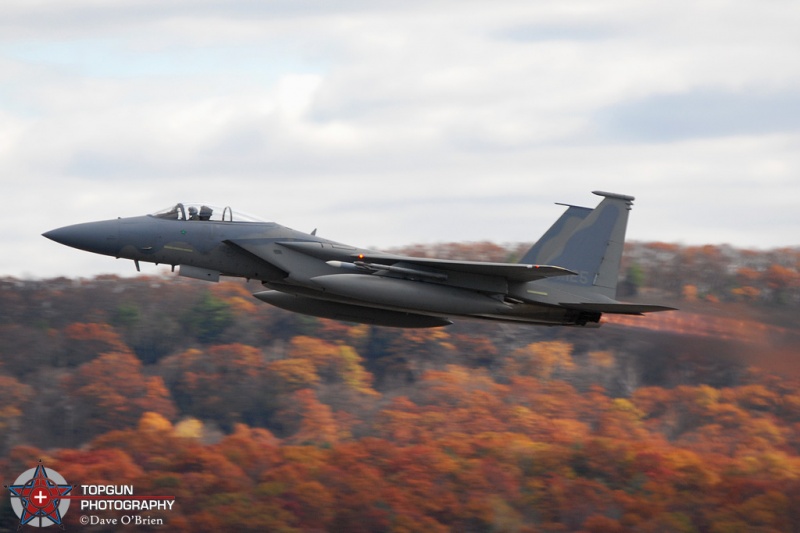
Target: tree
column 24, row 349
column 256, row 450
column 85, row 342
column 781, row 280
column 633, row 282
column 289, row 375
column 540, row 359
column 223, row 383
column 15, row 397
column 401, row 356
column 308, row 421
column 209, row 318
column 334, row 363
column 111, row 392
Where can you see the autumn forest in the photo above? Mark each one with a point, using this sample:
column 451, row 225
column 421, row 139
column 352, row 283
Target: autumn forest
column 257, row 419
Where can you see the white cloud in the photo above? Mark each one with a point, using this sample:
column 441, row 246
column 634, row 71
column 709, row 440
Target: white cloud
column 388, row 123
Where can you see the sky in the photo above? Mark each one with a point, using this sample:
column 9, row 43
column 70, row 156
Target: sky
column 391, row 123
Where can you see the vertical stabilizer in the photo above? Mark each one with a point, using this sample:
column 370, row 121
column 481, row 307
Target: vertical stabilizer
column 592, row 247
column 556, row 237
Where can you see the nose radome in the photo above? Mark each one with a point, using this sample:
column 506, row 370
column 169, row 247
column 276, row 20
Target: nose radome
column 98, row 237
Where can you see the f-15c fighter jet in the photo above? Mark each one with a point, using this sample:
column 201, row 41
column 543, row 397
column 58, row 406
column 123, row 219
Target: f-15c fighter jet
column 569, row 277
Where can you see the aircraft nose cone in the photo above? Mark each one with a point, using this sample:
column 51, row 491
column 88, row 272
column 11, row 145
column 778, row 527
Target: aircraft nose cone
column 98, row 237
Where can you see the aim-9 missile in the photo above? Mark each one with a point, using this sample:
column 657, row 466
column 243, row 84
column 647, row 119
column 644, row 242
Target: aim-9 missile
column 361, row 267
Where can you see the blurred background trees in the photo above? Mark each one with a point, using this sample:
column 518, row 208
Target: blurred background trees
column 265, row 420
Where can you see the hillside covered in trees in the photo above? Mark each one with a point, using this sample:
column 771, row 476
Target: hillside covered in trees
column 261, row 420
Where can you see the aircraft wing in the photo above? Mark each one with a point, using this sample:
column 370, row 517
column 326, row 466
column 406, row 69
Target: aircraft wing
column 437, row 268
column 515, row 272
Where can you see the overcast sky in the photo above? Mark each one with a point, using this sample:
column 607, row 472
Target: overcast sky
column 390, row 123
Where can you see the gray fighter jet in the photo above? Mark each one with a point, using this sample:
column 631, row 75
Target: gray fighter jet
column 569, row 277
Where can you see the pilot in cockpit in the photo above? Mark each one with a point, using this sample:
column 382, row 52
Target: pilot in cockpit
column 193, row 213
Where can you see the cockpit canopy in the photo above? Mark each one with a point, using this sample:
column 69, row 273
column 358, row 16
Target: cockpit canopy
column 204, row 212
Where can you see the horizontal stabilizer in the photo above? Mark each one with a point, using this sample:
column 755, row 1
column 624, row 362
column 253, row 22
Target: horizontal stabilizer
column 619, row 308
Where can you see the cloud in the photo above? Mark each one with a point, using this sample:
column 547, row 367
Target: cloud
column 388, row 123
column 701, row 113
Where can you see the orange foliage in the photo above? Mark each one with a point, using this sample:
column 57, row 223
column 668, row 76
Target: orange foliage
column 111, row 392
column 221, row 382
column 472, row 433
column 541, row 359
column 87, row 341
column 314, row 420
column 101, row 334
column 337, row 362
column 236, row 295
column 465, row 452
column 292, row 374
